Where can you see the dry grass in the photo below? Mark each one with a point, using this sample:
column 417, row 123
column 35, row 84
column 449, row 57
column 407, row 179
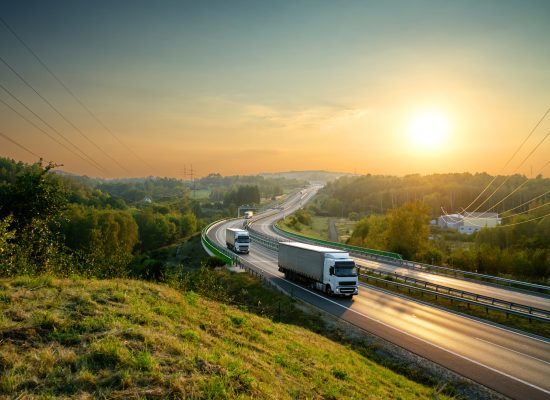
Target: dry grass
column 127, row 339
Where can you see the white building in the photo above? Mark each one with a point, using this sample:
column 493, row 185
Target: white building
column 481, row 219
column 469, row 222
column 450, row 221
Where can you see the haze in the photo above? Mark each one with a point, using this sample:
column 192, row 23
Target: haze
column 246, row 87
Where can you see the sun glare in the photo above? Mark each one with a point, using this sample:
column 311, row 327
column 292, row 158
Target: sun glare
column 429, row 130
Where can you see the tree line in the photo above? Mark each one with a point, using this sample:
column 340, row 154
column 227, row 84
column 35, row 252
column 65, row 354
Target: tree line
column 55, row 223
column 519, row 248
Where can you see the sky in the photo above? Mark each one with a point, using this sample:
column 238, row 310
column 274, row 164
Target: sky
column 244, row 87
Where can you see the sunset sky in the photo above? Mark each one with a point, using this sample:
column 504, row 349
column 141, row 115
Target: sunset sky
column 242, row 87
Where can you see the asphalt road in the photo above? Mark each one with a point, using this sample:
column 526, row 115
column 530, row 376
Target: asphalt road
column 512, row 363
column 503, row 293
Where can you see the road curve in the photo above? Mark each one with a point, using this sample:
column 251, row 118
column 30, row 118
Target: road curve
column 514, row 364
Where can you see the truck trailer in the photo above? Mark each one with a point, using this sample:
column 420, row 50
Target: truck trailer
column 237, row 240
column 328, row 270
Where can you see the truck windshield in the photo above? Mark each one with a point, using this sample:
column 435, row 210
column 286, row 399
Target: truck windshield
column 243, row 239
column 345, row 268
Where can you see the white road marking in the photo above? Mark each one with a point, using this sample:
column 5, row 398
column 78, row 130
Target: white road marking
column 517, row 352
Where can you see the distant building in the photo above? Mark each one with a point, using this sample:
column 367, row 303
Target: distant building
column 481, row 219
column 469, row 222
column 450, row 221
column 147, row 200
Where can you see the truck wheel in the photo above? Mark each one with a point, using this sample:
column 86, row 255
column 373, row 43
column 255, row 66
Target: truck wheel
column 328, row 290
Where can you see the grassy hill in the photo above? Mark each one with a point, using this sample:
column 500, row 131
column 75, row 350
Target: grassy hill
column 133, row 339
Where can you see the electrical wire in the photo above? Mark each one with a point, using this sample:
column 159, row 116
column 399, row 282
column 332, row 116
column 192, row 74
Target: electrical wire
column 19, row 145
column 84, row 156
column 509, row 160
column 63, row 116
column 509, row 176
column 71, row 93
column 526, row 211
column 528, row 201
column 523, row 222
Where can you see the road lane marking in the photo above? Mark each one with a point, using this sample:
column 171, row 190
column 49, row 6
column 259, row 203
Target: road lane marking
column 514, row 351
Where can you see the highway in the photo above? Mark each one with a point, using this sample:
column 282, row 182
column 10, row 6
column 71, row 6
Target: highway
column 265, row 226
column 512, row 363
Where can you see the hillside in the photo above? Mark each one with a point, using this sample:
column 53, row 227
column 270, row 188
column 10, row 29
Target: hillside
column 131, row 339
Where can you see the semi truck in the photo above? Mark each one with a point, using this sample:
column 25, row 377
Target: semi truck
column 237, row 240
column 248, row 214
column 328, row 270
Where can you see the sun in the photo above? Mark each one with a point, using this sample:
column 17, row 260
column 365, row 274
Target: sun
column 429, row 130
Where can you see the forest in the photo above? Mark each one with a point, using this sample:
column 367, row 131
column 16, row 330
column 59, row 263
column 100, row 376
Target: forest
column 63, row 224
column 394, row 214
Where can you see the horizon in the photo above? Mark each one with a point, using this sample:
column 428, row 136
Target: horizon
column 250, row 88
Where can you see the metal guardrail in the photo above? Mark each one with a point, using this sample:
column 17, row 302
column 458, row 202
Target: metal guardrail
column 214, row 250
column 503, row 304
column 476, row 276
column 460, row 299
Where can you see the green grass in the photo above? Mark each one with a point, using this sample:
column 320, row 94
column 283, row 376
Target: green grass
column 318, row 228
column 131, row 339
column 344, row 227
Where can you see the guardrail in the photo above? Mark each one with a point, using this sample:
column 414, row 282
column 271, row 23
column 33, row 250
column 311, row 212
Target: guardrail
column 495, row 280
column 503, row 304
column 476, row 276
column 487, row 306
column 214, row 250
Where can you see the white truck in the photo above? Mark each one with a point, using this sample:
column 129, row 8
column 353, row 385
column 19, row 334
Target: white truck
column 329, row 270
column 248, row 214
column 237, row 240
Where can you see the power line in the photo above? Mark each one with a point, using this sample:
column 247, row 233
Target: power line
column 526, row 211
column 63, row 116
column 18, row 144
column 520, row 186
column 71, row 93
column 523, row 222
column 85, row 157
column 510, row 159
column 509, row 176
column 528, row 201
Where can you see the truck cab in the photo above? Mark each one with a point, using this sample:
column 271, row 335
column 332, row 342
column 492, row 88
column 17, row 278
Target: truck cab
column 237, row 240
column 341, row 276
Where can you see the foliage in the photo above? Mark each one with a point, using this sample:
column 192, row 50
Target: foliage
column 407, row 232
column 242, row 195
column 370, row 194
column 519, row 248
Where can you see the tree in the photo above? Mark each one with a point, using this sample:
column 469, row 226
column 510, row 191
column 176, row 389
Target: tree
column 34, row 195
column 408, row 229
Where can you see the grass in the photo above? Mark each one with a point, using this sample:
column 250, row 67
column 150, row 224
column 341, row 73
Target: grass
column 119, row 339
column 318, row 228
column 536, row 327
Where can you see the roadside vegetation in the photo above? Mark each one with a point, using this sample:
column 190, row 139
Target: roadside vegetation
column 394, row 213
